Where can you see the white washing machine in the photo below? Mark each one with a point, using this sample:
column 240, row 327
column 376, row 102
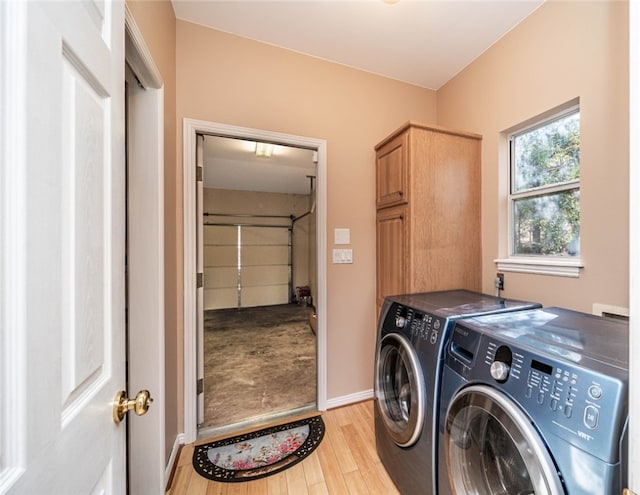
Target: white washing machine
column 534, row 402
column 412, row 331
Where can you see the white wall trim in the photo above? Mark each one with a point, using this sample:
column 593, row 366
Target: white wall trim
column 138, row 55
column 173, row 458
column 147, row 439
column 634, row 245
column 345, row 400
column 13, row 241
column 190, row 128
column 600, row 309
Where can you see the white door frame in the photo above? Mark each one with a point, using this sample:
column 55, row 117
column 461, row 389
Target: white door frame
column 148, row 469
column 634, row 236
column 190, row 128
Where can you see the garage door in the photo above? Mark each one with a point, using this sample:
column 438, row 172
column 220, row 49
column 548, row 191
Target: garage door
column 246, row 266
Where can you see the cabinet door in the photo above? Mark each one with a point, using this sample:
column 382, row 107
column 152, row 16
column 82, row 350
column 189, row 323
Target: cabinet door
column 392, row 172
column 392, row 241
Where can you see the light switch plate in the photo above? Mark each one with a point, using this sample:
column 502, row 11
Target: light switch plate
column 342, row 236
column 341, row 256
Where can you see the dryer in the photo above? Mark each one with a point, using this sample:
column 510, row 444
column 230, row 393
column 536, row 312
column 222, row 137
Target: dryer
column 412, row 330
column 534, row 402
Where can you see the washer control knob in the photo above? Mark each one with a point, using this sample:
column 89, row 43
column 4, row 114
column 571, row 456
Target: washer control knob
column 500, row 371
column 401, row 321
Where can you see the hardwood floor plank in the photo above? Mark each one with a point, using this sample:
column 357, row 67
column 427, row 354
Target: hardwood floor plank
column 296, row 482
column 355, row 483
column 318, row 489
column 331, row 469
column 313, row 469
column 181, row 480
column 186, row 455
column 197, row 485
column 258, row 487
column 277, row 484
column 368, row 464
column 235, row 489
column 365, row 433
column 342, row 415
column 335, row 436
column 215, row 488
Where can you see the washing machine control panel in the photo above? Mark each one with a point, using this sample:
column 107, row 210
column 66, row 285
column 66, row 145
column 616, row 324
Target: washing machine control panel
column 417, row 324
column 426, row 327
column 577, row 404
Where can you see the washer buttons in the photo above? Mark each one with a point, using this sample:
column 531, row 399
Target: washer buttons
column 595, row 392
column 591, row 416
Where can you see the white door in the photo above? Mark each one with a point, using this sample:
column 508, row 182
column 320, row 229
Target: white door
column 63, row 224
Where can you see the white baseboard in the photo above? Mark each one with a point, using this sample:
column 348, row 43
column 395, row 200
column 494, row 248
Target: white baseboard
column 350, row 399
column 173, row 458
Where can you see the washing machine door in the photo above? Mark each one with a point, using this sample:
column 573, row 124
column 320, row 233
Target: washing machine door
column 400, row 389
column 492, row 448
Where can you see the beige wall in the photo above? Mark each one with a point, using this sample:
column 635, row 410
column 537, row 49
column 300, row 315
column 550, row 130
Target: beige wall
column 227, row 79
column 157, row 23
column 562, row 51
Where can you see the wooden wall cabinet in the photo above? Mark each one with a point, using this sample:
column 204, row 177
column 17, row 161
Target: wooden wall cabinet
column 428, row 211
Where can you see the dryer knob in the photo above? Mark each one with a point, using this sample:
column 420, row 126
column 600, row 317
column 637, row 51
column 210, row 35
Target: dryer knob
column 500, row 371
column 401, row 321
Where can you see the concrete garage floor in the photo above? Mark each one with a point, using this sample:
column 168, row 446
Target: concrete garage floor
column 257, row 362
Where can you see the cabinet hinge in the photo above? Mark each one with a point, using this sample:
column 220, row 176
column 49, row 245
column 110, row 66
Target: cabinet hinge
column 200, row 386
column 199, row 280
column 199, row 174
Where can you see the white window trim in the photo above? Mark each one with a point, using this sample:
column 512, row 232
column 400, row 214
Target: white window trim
column 541, row 266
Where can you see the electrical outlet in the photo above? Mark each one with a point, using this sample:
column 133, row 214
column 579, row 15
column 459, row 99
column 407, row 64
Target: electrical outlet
column 500, row 281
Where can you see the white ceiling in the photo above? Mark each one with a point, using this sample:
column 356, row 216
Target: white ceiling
column 421, row 42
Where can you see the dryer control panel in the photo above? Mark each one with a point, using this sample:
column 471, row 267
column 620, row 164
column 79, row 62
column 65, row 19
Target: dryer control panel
column 417, row 325
column 583, row 406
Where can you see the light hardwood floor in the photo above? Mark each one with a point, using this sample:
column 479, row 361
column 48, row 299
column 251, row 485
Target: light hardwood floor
column 345, row 463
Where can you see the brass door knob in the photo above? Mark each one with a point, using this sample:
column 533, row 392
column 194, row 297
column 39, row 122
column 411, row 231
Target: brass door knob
column 122, row 405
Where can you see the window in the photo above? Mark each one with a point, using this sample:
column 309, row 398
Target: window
column 545, row 188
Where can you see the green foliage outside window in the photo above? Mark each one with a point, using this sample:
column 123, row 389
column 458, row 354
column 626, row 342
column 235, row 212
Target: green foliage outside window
column 545, row 188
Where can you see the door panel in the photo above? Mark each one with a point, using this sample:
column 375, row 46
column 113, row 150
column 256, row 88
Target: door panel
column 71, row 305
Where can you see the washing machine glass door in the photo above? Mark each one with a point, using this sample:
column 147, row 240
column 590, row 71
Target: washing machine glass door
column 399, row 389
column 492, row 448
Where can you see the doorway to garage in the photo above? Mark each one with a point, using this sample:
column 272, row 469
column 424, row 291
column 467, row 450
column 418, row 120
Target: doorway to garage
column 259, row 267
column 255, row 254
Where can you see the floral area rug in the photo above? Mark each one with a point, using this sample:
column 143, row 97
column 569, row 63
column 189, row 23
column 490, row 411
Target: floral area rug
column 260, row 453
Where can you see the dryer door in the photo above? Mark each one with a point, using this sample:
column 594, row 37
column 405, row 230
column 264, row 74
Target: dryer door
column 492, row 447
column 399, row 389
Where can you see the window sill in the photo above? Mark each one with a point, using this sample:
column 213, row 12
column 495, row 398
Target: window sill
column 555, row 267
